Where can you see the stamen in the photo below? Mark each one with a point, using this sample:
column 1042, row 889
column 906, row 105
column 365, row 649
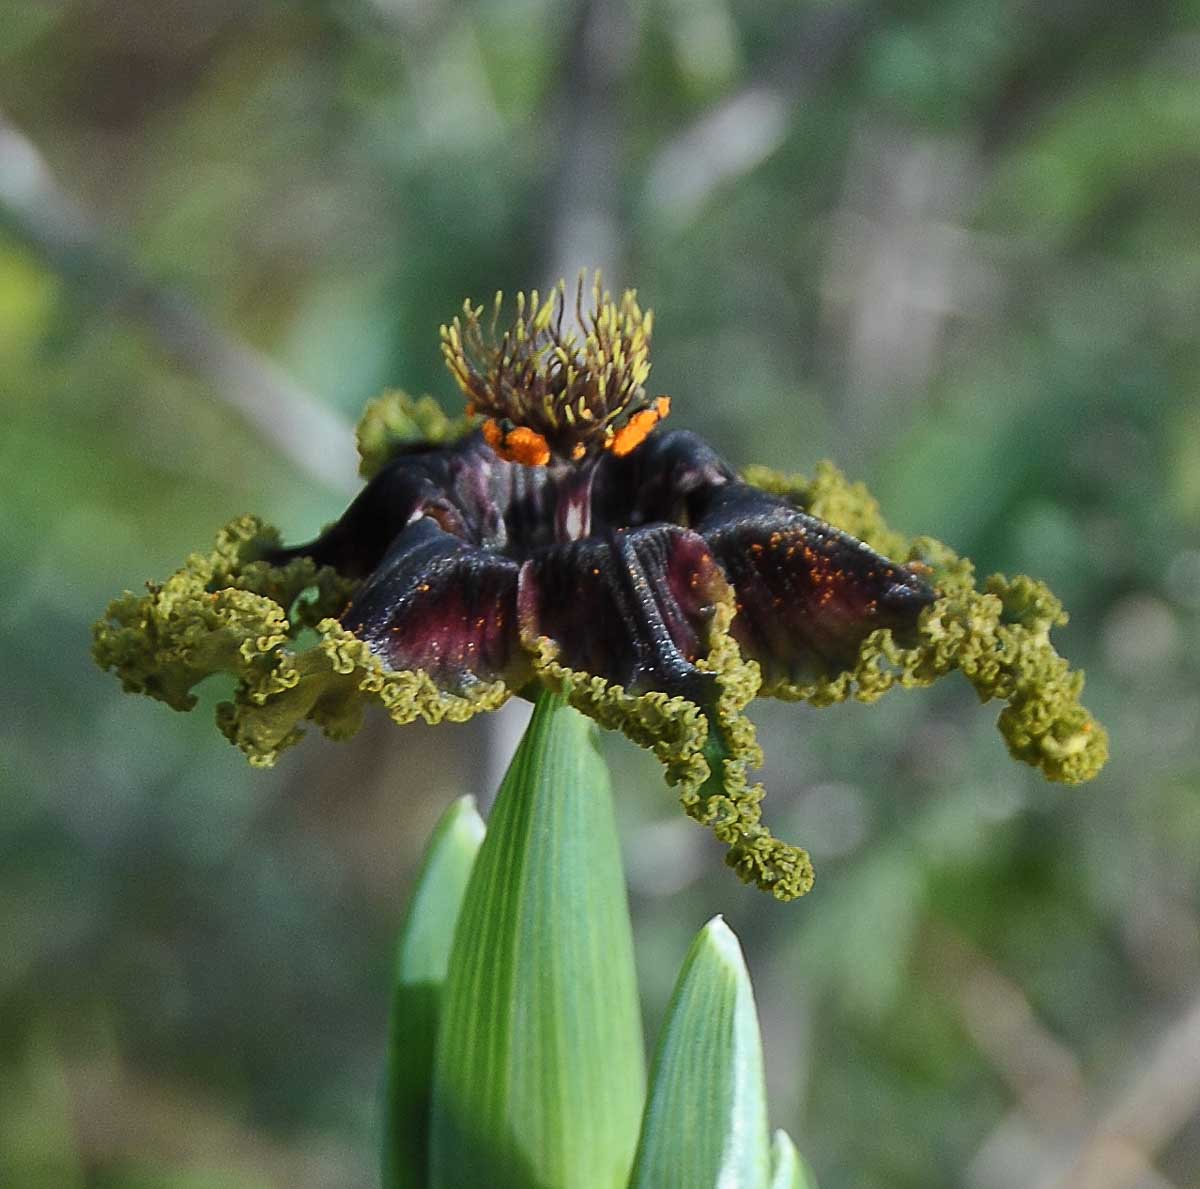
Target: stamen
column 549, row 392
column 493, row 434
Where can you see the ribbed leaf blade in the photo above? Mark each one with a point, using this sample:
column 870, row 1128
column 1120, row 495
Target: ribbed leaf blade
column 422, row 957
column 788, row 1171
column 539, row 1074
column 706, row 1116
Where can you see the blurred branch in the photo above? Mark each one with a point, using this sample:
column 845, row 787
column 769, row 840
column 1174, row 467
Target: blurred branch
column 741, row 131
column 1117, row 1150
column 38, row 212
column 583, row 218
column 1158, row 1099
column 902, row 265
column 997, row 1014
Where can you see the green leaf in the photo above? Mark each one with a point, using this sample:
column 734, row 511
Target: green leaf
column 539, row 1075
column 788, row 1171
column 421, row 960
column 706, row 1118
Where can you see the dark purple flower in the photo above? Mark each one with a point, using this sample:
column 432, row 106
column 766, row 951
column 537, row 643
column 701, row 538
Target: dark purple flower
column 571, row 541
column 470, row 564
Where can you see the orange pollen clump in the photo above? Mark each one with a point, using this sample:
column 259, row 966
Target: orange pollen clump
column 521, row 444
column 634, row 432
column 527, row 446
column 493, row 434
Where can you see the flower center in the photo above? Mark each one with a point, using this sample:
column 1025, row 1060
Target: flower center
column 548, row 391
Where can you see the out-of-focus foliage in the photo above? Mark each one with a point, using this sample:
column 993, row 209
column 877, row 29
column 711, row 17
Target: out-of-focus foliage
column 951, row 245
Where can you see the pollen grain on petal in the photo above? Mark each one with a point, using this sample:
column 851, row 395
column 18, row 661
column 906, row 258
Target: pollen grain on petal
column 493, row 434
column 635, row 431
column 525, row 446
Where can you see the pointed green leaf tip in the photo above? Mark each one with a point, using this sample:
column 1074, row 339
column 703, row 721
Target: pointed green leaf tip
column 539, row 1073
column 788, row 1171
column 706, row 1118
column 421, row 961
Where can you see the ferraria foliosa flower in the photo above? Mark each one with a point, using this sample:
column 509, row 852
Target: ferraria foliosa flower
column 559, row 535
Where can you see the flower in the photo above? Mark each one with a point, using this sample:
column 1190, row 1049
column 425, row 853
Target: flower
column 571, row 541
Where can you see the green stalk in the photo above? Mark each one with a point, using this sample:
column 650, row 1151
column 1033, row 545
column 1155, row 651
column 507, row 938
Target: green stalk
column 539, row 1075
column 421, row 960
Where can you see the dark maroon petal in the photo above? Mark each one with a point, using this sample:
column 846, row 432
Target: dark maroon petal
column 439, row 536
column 807, row 594
column 465, row 488
column 438, row 604
column 406, row 489
column 667, row 479
column 631, row 607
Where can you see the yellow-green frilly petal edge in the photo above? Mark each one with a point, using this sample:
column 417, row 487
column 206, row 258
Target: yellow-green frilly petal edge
column 273, row 630
column 228, row 612
column 395, row 421
column 998, row 637
column 706, row 752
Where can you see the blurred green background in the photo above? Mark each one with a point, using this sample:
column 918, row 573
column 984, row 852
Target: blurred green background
column 952, row 245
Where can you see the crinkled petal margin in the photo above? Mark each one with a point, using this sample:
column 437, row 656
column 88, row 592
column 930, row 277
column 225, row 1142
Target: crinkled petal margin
column 274, row 630
column 395, row 422
column 706, row 752
column 997, row 637
column 271, row 628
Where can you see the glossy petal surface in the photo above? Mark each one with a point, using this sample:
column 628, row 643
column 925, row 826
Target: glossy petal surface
column 620, row 567
column 438, row 604
column 631, row 607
